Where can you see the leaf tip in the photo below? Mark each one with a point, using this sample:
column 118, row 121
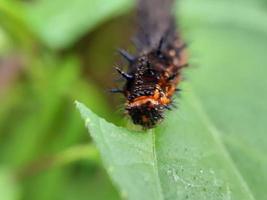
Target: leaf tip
column 77, row 103
column 82, row 109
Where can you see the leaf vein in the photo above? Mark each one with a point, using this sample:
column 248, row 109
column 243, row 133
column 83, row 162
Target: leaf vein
column 155, row 165
column 216, row 135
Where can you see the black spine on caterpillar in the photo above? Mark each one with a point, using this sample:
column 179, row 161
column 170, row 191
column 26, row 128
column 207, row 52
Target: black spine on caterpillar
column 155, row 71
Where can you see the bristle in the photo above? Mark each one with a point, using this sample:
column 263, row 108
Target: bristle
column 124, row 74
column 160, row 45
column 168, row 107
column 173, row 104
column 126, row 55
column 185, row 65
column 173, row 76
column 116, row 90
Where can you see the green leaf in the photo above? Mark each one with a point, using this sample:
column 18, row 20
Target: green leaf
column 59, row 23
column 182, row 159
column 213, row 146
column 231, row 79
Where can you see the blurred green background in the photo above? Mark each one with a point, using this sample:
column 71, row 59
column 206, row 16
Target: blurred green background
column 53, row 52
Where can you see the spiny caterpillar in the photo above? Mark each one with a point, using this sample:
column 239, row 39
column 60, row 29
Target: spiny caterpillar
column 155, row 71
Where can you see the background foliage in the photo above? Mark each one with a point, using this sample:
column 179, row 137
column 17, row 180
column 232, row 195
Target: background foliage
column 53, row 52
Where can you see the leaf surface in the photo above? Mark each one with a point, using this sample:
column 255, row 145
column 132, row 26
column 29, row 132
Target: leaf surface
column 213, row 146
column 182, row 159
column 59, row 23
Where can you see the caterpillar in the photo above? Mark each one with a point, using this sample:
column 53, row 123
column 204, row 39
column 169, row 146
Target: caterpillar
column 154, row 72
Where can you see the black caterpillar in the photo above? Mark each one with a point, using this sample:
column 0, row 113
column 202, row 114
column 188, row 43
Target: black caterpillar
column 155, row 71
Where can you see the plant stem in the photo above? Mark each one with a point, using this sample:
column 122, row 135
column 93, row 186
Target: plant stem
column 71, row 155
